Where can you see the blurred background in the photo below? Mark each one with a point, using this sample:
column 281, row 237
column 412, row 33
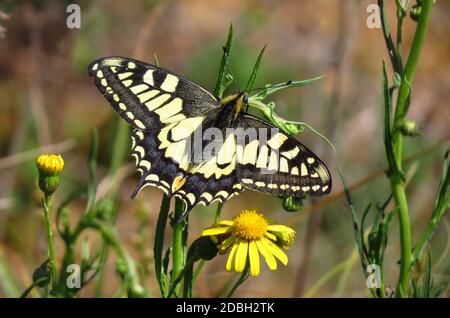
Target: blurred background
column 48, row 104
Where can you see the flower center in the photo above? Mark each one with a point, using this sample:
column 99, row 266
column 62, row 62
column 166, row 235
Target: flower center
column 249, row 225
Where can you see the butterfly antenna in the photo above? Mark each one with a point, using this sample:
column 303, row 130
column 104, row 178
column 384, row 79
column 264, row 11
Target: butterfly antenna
column 227, row 62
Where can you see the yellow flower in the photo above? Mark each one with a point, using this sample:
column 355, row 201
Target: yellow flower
column 50, row 164
column 49, row 167
column 246, row 236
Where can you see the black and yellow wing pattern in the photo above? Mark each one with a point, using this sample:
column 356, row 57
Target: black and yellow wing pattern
column 168, row 112
column 278, row 163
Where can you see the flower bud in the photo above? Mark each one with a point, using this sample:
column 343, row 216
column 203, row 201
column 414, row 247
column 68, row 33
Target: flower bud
column 42, row 273
column 105, row 210
column 292, row 204
column 408, row 127
column 415, row 11
column 49, row 167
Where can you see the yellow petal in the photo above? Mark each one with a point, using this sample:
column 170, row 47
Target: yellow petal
column 216, row 231
column 227, row 243
column 270, row 260
column 275, row 250
column 241, row 256
column 231, row 258
column 254, row 258
column 271, row 236
column 225, row 223
column 279, row 228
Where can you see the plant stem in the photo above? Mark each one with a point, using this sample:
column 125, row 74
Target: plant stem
column 109, row 234
column 239, row 282
column 413, row 58
column 177, row 242
column 51, row 244
column 347, row 263
column 401, row 13
column 218, row 212
column 398, row 189
column 397, row 182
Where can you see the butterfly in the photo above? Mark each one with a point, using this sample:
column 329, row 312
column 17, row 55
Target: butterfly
column 199, row 148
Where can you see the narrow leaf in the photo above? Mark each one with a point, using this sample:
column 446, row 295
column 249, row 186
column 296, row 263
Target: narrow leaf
column 387, row 120
column 356, row 228
column 251, row 80
column 92, row 167
column 219, row 88
column 159, row 244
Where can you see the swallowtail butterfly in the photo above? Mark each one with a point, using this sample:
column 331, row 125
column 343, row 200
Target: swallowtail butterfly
column 199, row 148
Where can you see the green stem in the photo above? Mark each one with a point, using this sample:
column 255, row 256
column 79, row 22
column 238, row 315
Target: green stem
column 109, row 234
column 178, row 247
column 398, row 189
column 51, row 244
column 405, row 86
column 67, row 260
column 239, row 282
column 33, row 284
column 397, row 182
column 218, row 212
column 424, row 239
column 341, row 267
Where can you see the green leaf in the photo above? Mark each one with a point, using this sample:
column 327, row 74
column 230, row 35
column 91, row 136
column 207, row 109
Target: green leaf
column 251, row 80
column 361, row 230
column 155, row 59
column 201, row 249
column 159, row 244
column 221, row 78
column 387, row 128
column 356, row 227
column 166, row 260
column 426, row 288
column 441, row 206
column 439, row 203
column 92, row 167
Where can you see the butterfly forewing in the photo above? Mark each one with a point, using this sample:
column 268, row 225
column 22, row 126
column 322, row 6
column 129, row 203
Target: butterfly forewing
column 146, row 96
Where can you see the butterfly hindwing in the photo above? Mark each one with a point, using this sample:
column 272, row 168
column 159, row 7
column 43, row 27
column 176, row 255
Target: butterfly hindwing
column 146, row 96
column 213, row 177
column 276, row 163
column 194, row 183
